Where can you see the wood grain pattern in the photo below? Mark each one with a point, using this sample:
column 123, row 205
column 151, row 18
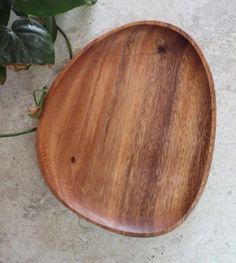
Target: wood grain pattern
column 126, row 136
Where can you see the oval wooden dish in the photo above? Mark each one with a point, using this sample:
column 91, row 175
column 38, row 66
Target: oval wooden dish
column 127, row 132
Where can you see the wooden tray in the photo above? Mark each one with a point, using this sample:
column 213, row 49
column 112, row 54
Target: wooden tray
column 126, row 136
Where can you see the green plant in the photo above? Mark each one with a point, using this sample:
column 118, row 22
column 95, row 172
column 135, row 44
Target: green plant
column 30, row 39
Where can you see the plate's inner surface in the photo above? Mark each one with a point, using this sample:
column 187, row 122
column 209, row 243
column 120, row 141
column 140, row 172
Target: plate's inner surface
column 125, row 134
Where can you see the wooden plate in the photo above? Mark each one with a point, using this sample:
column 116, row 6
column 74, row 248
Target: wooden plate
column 126, row 136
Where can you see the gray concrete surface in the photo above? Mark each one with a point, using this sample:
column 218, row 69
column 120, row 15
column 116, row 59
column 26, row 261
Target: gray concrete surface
column 36, row 228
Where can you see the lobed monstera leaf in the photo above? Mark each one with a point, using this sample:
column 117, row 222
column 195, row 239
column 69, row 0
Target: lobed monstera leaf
column 28, row 42
column 44, row 8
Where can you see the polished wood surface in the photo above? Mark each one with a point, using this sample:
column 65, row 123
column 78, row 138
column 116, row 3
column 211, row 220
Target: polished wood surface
column 127, row 133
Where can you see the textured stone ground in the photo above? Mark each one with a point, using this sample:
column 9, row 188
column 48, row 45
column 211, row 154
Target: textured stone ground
column 35, row 227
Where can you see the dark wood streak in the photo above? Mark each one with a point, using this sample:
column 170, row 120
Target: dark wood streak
column 130, row 146
column 163, row 137
column 121, row 71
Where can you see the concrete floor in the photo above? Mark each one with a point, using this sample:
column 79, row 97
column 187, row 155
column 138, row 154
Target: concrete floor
column 36, row 228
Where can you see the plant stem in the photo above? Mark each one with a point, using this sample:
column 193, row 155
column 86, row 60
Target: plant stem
column 18, row 133
column 34, row 96
column 67, row 41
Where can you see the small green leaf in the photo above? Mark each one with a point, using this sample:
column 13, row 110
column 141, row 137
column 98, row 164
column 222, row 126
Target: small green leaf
column 3, row 75
column 48, row 7
column 5, row 9
column 28, row 42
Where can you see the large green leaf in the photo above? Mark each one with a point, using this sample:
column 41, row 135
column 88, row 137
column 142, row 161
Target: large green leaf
column 28, row 42
column 5, row 9
column 44, row 8
column 3, row 75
